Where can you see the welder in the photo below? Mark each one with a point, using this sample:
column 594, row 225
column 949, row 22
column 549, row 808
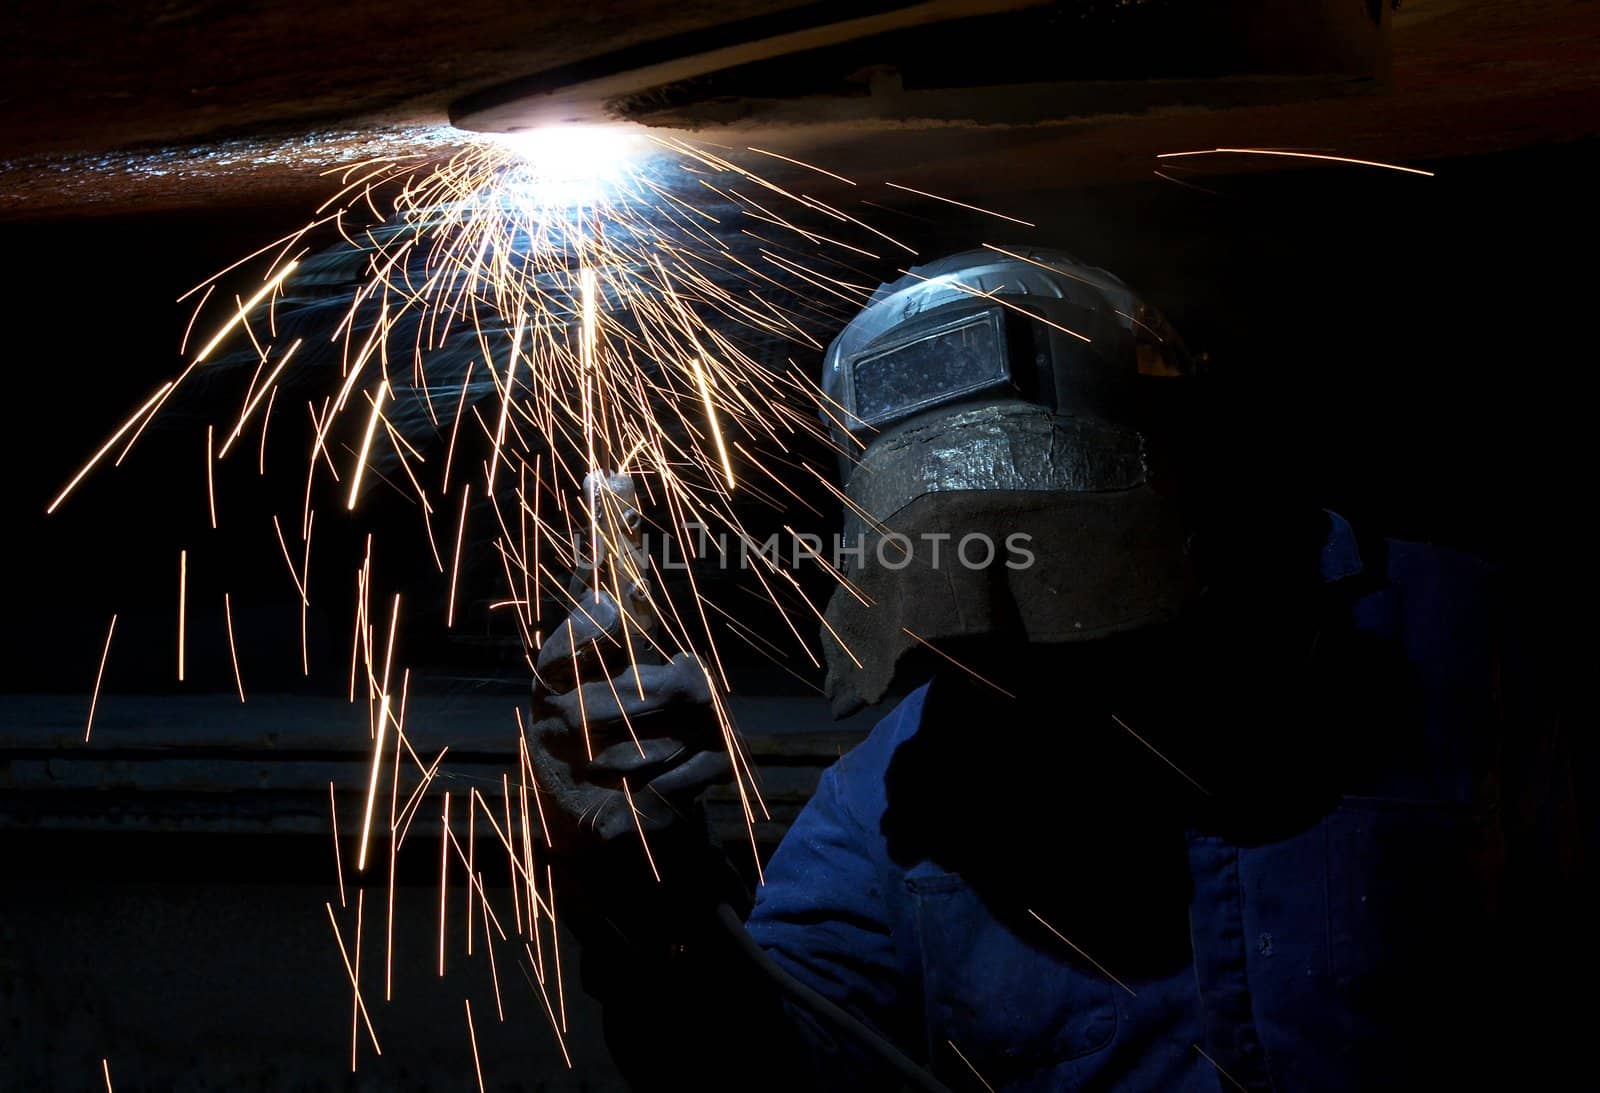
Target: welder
column 1203, row 798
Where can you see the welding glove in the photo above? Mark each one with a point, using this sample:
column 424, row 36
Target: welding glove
column 621, row 748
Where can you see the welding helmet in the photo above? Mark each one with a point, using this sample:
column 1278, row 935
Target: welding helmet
column 1000, row 465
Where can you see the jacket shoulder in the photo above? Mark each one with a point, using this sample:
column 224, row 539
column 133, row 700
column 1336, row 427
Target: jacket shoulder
column 857, row 778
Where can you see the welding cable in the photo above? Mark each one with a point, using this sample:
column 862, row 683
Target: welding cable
column 824, row 1010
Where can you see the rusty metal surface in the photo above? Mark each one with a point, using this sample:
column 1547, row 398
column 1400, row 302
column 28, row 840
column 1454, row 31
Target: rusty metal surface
column 83, row 76
column 163, row 105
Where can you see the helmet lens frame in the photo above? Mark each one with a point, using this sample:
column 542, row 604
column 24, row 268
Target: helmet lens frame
column 931, row 366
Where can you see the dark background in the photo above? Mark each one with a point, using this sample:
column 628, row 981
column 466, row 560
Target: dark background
column 1412, row 352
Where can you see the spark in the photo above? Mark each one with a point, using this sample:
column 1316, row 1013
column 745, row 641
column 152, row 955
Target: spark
column 444, row 874
column 355, row 1005
column 261, row 454
column 561, row 993
column 455, row 423
column 211, row 282
column 388, row 650
column 455, row 561
column 490, row 226
column 105, row 1066
column 633, row 307
column 638, row 823
column 233, row 650
column 511, row 853
column 1168, row 178
column 1057, row 270
column 244, row 309
column 472, row 852
column 183, row 610
column 801, row 163
column 476, row 881
column 1224, row 1073
column 962, row 204
column 355, row 984
column 1007, row 304
column 1296, row 155
column 366, row 443
column 488, row 945
column 183, row 343
column 980, row 678
column 970, row 1067
column 394, row 846
column 299, row 583
column 538, row 985
column 268, row 386
column 338, row 865
column 586, row 365
column 472, row 1034
column 94, row 699
column 711, row 416
column 1080, row 952
column 1152, row 749
column 138, row 415
column 372, row 784
column 211, row 485
column 413, row 804
column 305, row 600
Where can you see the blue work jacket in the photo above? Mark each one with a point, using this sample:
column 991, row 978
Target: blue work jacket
column 1349, row 949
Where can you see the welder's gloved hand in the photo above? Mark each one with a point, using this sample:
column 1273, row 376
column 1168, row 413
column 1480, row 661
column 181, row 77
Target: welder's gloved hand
column 619, row 746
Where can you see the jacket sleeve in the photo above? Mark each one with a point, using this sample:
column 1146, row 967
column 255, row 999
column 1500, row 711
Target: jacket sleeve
column 831, row 913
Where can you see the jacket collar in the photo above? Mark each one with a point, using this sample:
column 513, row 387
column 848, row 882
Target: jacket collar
column 1341, row 554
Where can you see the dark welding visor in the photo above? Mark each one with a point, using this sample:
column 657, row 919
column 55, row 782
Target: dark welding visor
column 926, row 368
